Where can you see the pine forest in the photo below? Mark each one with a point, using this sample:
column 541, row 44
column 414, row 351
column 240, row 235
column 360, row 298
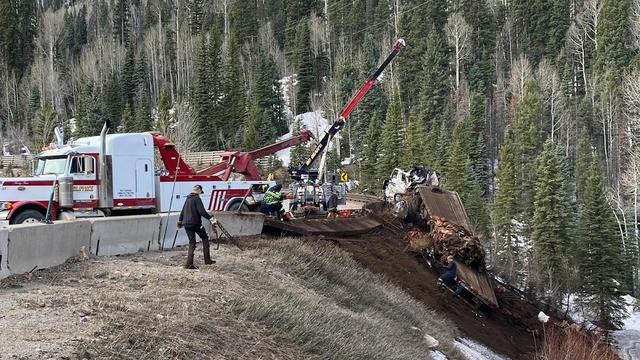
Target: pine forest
column 529, row 109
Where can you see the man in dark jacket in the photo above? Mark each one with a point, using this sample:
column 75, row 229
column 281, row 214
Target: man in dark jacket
column 191, row 218
column 449, row 277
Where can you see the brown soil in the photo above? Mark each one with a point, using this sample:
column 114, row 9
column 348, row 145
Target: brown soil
column 384, row 253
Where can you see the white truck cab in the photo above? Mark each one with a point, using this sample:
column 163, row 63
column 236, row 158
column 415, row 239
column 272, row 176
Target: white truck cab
column 129, row 173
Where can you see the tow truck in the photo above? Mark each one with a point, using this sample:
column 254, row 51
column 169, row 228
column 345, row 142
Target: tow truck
column 308, row 186
column 128, row 174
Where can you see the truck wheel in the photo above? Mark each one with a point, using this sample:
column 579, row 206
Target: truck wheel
column 237, row 206
column 28, row 216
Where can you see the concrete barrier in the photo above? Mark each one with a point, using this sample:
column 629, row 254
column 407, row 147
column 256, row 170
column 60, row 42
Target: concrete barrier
column 241, row 224
column 39, row 246
column 237, row 224
column 168, row 229
column 4, row 249
column 124, row 234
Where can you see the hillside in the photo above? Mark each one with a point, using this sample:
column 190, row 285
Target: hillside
column 282, row 299
column 529, row 109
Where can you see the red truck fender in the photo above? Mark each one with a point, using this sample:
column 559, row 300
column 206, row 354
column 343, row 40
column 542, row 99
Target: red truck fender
column 40, row 206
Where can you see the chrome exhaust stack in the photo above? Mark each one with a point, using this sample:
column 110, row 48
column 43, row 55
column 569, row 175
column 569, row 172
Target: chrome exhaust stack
column 105, row 179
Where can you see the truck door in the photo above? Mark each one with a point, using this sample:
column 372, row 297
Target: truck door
column 145, row 184
column 85, row 190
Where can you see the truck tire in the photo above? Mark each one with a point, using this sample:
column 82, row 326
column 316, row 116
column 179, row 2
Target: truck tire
column 237, row 204
column 28, row 216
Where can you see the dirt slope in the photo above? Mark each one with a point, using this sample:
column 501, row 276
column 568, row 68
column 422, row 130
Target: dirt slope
column 384, row 253
column 278, row 299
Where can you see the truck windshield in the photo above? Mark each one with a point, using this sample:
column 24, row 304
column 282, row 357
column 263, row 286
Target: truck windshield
column 47, row 166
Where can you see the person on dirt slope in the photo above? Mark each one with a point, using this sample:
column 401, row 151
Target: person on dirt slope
column 332, row 205
column 272, row 202
column 449, row 277
column 191, row 218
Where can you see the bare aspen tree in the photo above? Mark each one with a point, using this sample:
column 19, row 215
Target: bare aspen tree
column 459, row 37
column 634, row 22
column 183, row 131
column 520, row 73
column 554, row 97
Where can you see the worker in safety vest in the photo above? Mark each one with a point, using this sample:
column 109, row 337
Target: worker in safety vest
column 191, row 218
column 272, row 202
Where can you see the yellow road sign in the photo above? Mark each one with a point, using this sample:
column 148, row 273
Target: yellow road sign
column 344, row 177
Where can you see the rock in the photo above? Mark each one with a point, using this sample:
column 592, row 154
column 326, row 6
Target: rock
column 432, row 343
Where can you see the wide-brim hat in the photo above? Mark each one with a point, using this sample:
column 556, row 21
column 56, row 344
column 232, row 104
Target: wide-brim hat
column 197, row 189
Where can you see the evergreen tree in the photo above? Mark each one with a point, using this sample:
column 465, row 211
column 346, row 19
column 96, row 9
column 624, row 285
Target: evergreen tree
column 505, row 210
column 431, row 146
column 390, row 141
column 121, row 16
column 413, row 146
column 425, row 26
column 374, row 102
column 89, row 112
column 143, row 110
column 300, row 152
column 303, row 62
column 267, row 134
column 128, row 119
column 527, row 144
column 582, row 164
column 33, row 108
column 368, row 169
column 251, row 140
column 269, row 93
column 244, row 19
column 165, row 121
column 601, row 261
column 142, row 71
column 46, row 122
column 233, row 105
column 113, row 101
column 484, row 22
column 552, row 223
column 474, row 141
column 128, row 75
column 201, row 95
column 457, row 164
column 433, row 82
column 613, row 52
column 18, row 28
column 475, row 204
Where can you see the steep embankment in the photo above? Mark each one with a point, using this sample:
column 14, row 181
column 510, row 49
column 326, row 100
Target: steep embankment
column 281, row 298
column 385, row 253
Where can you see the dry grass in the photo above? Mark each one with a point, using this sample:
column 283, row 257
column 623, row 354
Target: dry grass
column 323, row 301
column 280, row 299
column 570, row 344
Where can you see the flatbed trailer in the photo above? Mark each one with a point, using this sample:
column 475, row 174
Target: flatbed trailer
column 447, row 204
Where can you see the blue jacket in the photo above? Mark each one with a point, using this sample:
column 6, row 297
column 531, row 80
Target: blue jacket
column 451, row 272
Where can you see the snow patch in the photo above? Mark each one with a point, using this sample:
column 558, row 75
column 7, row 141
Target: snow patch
column 312, row 121
column 437, row 355
column 473, row 350
column 628, row 339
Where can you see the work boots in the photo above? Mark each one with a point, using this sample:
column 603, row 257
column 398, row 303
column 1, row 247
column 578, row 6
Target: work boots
column 189, row 264
column 207, row 254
